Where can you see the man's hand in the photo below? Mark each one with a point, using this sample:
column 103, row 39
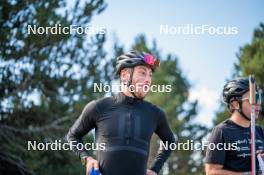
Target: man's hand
column 91, row 163
column 150, row 172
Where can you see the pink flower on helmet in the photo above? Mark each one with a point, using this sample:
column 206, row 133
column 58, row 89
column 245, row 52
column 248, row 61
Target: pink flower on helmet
column 149, row 59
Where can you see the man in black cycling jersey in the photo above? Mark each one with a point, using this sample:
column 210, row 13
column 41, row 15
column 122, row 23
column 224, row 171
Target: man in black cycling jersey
column 125, row 122
column 234, row 160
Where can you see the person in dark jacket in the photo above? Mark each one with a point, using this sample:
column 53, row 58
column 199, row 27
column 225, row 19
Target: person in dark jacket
column 125, row 122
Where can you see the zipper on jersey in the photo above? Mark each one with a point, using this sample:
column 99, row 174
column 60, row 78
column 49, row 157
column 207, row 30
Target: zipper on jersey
column 128, row 127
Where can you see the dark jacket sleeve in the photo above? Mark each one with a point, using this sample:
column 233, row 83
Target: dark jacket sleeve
column 165, row 134
column 85, row 123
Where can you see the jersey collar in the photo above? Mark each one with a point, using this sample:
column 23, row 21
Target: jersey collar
column 121, row 97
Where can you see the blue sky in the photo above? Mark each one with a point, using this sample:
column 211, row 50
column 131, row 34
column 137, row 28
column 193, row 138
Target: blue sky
column 206, row 60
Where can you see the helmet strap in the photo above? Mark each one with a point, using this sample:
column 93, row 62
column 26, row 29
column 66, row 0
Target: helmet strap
column 240, row 110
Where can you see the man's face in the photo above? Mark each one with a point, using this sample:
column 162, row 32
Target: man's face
column 141, row 80
column 246, row 106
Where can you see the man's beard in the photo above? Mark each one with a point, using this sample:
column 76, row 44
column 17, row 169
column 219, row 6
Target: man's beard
column 141, row 91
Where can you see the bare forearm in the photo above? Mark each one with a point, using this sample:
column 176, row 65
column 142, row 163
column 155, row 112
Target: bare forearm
column 223, row 172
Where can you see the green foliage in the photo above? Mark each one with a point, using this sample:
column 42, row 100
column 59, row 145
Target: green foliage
column 222, row 114
column 45, row 81
column 251, row 57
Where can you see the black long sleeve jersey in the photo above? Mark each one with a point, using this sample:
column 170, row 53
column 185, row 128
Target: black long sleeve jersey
column 125, row 126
